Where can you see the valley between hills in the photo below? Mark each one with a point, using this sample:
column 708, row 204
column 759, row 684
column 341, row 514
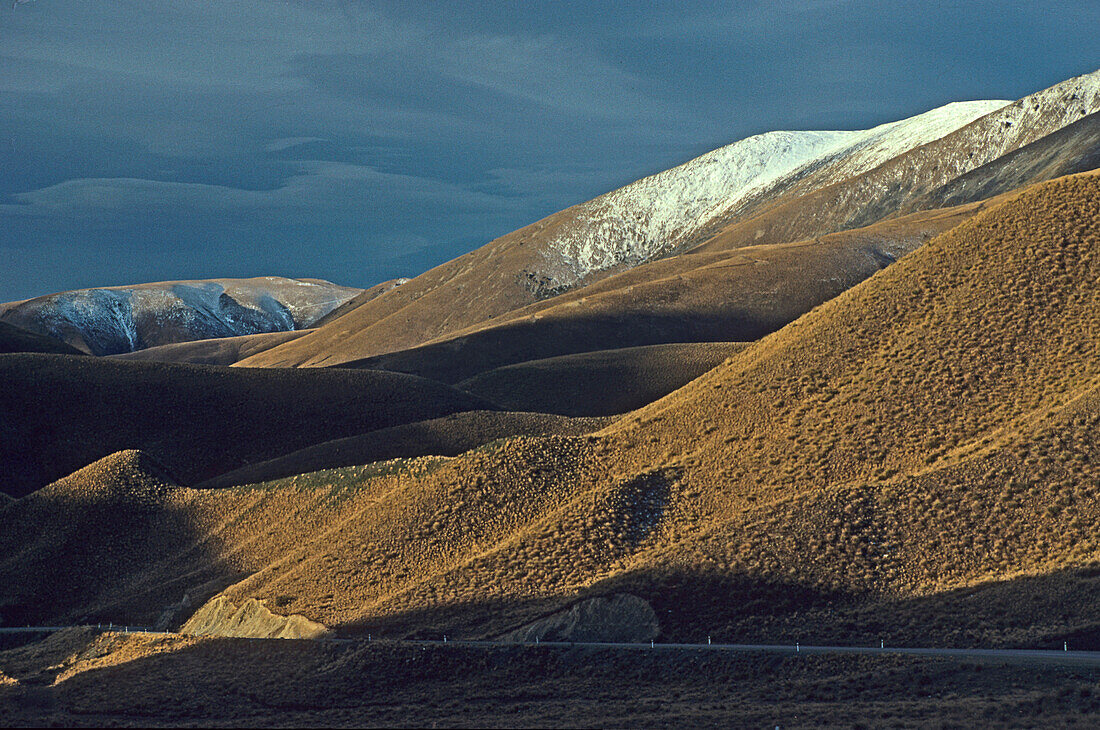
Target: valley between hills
column 830, row 388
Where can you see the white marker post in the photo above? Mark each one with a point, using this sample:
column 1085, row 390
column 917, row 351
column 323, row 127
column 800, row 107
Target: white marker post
column 796, row 649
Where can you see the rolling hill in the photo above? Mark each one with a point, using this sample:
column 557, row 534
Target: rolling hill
column 222, row 351
column 16, row 339
column 716, row 297
column 600, row 383
column 914, row 458
column 59, row 413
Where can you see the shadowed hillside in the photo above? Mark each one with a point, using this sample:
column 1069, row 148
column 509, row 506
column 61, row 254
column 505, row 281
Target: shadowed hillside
column 601, row 383
column 447, row 436
column 77, row 678
column 222, row 351
column 60, row 413
column 15, row 339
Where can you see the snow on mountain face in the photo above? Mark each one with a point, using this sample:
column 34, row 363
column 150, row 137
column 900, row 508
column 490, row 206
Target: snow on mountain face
column 124, row 319
column 654, row 215
column 875, row 146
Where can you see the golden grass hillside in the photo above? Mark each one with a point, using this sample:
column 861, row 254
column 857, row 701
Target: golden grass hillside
column 916, row 457
column 945, row 378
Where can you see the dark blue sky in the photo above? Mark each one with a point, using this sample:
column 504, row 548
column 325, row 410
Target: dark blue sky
column 354, row 141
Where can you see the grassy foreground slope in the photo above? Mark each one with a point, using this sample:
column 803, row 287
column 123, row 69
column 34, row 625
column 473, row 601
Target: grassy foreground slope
column 58, row 414
column 929, row 430
column 916, row 457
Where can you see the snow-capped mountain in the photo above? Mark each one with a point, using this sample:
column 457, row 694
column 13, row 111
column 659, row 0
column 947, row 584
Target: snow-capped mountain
column 657, row 214
column 779, row 187
column 812, row 201
column 112, row 320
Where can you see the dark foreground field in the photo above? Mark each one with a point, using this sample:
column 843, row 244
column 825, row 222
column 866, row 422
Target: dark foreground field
column 76, row 678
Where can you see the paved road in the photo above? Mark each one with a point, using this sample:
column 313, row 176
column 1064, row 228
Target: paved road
column 1089, row 658
column 51, row 629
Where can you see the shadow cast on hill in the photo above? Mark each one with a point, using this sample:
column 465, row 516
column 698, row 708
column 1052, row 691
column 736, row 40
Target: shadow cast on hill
column 81, row 552
column 458, row 359
column 1038, row 612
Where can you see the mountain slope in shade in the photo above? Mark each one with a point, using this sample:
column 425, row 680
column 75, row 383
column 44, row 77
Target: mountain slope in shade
column 123, row 319
column 600, row 383
column 222, row 351
column 16, row 339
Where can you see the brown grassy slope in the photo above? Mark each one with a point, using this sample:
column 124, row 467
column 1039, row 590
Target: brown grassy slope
column 601, row 383
column 715, row 297
column 949, row 364
column 358, row 300
column 16, row 339
column 59, row 413
column 905, row 455
column 222, row 351
column 172, row 681
column 447, row 436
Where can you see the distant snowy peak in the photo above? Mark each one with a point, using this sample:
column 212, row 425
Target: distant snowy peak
column 123, row 319
column 653, row 216
column 1039, row 114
